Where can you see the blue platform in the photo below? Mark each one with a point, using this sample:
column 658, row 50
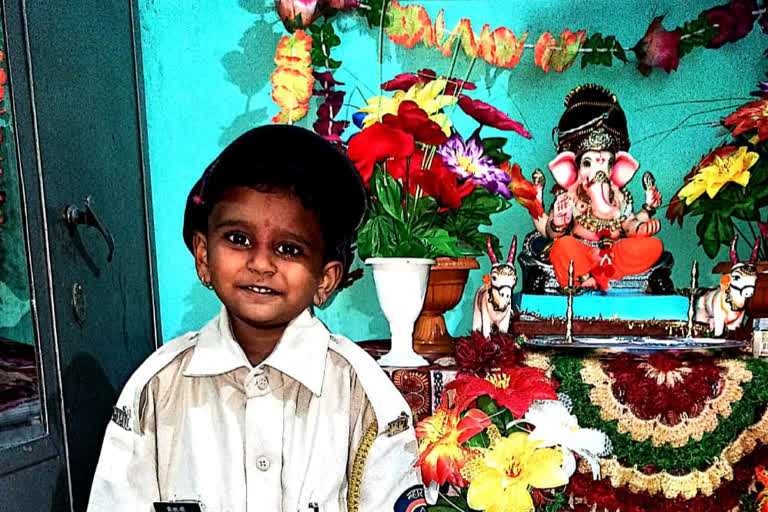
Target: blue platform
column 613, row 304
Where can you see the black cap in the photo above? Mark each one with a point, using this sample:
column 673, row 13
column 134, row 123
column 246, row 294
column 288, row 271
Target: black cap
column 290, row 157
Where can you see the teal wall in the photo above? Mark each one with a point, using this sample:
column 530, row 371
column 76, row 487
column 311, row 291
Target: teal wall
column 207, row 67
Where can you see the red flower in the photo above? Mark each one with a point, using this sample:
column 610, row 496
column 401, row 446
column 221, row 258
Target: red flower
column 751, row 115
column 441, row 437
column 523, row 191
column 378, row 143
column 658, row 48
column 412, row 119
column 326, row 82
column 405, row 81
column 489, row 115
column 514, row 389
column 436, row 181
column 733, row 21
column 479, row 355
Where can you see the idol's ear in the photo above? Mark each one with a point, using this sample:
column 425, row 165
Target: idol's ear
column 563, row 169
column 624, row 168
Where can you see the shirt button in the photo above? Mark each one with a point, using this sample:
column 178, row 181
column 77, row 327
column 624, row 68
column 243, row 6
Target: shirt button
column 262, row 382
column 262, row 463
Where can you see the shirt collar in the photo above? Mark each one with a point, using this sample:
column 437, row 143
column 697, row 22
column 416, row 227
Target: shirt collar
column 300, row 353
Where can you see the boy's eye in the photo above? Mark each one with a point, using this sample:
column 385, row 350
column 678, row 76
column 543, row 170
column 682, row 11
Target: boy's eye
column 289, row 250
column 238, row 238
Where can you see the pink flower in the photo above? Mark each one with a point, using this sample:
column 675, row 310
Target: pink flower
column 344, row 5
column 405, row 81
column 488, row 115
column 658, row 48
column 734, row 21
column 297, row 14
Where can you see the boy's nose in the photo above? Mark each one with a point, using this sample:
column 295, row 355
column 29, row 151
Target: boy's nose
column 261, row 260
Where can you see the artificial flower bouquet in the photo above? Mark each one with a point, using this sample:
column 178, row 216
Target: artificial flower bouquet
column 431, row 188
column 728, row 188
column 502, row 440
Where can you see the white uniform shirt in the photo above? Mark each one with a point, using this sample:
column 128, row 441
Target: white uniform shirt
column 198, row 422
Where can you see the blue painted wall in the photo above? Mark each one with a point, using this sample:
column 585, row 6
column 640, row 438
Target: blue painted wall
column 207, row 67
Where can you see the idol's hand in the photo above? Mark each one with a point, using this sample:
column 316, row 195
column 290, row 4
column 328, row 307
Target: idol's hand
column 563, row 211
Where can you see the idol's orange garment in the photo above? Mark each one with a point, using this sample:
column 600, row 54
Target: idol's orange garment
column 625, row 257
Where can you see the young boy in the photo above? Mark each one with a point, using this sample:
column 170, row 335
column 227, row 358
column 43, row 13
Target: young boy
column 263, row 409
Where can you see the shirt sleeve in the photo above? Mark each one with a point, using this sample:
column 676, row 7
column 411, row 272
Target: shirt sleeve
column 126, row 475
column 382, row 476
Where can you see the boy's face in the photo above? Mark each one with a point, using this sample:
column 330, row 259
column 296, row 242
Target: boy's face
column 263, row 254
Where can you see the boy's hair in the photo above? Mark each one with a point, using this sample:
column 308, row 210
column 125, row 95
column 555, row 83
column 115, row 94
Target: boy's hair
column 286, row 157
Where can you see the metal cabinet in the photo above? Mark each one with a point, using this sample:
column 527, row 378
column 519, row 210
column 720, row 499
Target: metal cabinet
column 78, row 305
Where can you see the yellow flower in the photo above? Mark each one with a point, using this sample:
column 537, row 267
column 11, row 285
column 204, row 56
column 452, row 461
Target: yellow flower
column 711, row 178
column 499, row 476
column 429, row 97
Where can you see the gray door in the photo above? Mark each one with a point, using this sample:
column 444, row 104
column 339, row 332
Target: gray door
column 77, row 299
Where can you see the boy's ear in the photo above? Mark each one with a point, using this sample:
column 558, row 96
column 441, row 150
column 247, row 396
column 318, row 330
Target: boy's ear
column 200, row 251
column 331, row 278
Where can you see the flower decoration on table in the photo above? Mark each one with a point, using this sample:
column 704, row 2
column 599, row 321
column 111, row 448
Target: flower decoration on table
column 728, row 188
column 501, row 440
column 431, row 187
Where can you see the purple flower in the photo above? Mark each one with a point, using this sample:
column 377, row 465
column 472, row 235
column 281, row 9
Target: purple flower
column 466, row 159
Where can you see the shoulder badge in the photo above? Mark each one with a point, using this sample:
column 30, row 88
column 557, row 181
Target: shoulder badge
column 412, row 500
column 122, row 417
column 397, row 426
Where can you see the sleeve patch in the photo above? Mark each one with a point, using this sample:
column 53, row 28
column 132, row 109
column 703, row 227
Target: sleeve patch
column 397, row 426
column 412, row 500
column 122, row 417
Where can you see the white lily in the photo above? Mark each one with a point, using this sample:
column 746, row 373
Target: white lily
column 554, row 425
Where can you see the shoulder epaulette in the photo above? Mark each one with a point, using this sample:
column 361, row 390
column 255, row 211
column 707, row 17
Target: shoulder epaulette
column 133, row 391
column 391, row 409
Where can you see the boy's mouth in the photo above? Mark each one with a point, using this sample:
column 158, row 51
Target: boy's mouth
column 262, row 290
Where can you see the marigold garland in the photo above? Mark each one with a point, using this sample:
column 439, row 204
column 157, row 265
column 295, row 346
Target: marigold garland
column 292, row 80
column 694, row 455
column 660, row 433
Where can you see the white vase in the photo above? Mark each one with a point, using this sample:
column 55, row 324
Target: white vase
column 401, row 285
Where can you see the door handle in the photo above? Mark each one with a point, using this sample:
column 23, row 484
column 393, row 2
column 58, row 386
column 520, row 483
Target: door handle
column 74, row 216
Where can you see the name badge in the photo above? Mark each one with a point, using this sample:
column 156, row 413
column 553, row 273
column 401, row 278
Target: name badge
column 178, row 506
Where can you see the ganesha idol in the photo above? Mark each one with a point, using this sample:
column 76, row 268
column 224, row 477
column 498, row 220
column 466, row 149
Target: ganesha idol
column 594, row 221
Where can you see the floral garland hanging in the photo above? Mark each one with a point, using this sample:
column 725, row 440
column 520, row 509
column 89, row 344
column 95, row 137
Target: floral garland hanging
column 660, row 48
column 292, row 81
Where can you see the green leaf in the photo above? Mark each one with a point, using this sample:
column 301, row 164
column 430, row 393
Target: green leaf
column 440, row 243
column 699, row 32
column 373, row 15
column 599, row 51
column 451, row 502
column 480, row 440
column 492, row 143
column 714, row 231
column 389, row 193
column 493, row 147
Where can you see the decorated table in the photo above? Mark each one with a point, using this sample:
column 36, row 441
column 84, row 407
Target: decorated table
column 687, row 430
